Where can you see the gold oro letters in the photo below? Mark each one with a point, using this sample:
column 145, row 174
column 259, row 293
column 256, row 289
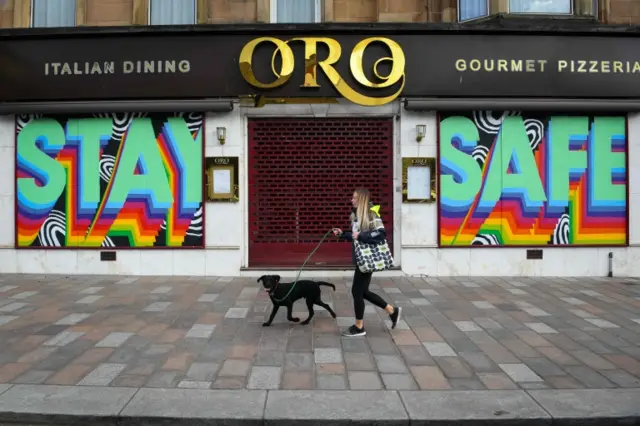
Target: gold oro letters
column 395, row 77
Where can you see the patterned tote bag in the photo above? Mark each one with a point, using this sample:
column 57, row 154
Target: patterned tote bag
column 373, row 257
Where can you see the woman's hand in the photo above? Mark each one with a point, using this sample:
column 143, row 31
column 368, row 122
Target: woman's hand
column 337, row 232
column 355, row 236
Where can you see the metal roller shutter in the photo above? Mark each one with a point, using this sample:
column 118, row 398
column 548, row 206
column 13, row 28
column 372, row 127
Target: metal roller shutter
column 302, row 173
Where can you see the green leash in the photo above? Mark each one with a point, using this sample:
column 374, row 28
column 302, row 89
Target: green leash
column 302, row 267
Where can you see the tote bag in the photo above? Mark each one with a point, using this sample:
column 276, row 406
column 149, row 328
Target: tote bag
column 373, row 257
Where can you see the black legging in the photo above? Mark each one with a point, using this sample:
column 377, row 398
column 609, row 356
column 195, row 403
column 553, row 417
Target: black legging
column 360, row 292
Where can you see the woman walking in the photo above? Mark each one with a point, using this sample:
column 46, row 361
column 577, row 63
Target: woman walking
column 366, row 227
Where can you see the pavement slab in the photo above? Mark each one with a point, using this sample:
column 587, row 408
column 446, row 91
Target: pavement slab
column 478, row 406
column 108, row 338
column 333, row 407
column 593, row 405
column 246, row 406
column 37, row 403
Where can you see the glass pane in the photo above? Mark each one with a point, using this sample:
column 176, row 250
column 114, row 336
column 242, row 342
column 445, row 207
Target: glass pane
column 296, row 11
column 470, row 9
column 172, row 12
column 54, row 13
column 540, row 6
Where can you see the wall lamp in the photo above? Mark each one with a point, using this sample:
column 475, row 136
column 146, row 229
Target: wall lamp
column 421, row 131
column 221, row 132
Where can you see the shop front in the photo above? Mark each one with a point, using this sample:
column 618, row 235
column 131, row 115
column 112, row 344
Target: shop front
column 229, row 151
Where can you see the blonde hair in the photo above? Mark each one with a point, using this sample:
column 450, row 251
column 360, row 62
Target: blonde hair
column 363, row 213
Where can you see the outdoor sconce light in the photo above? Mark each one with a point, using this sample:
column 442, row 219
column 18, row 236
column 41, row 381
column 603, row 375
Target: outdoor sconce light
column 421, row 131
column 222, row 134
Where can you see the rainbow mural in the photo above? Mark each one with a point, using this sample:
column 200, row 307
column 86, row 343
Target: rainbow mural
column 510, row 178
column 109, row 180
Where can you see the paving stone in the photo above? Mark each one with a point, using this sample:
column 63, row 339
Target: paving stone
column 331, row 382
column 520, row 373
column 456, row 406
column 467, row 326
column 481, row 304
column 357, row 345
column 479, row 362
column 236, row 313
column 390, row 364
column 541, row 328
column 208, row 297
column 213, row 405
column 364, row 380
column 439, row 349
column 72, row 319
column 114, row 340
column 467, row 341
column 429, row 377
column 200, row 331
column 399, row 382
column 588, row 403
column 593, row 360
column 12, row 307
column 269, row 358
column 589, row 377
column 467, row 384
column 301, row 361
column 6, row 319
column 204, row 371
column 497, row 381
column 24, row 295
column 454, row 368
column 297, row 380
column 33, row 377
column 416, row 355
column 598, row 322
column 563, row 382
column 370, row 407
column 102, row 375
column 89, row 300
column 190, row 384
column 328, row 356
column 157, row 307
column 382, row 345
column 265, row 378
column 235, row 367
column 66, row 400
column 64, row 338
column 622, row 378
column 543, row 367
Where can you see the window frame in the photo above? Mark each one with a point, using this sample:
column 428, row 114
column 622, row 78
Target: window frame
column 487, row 8
column 571, row 10
column 32, row 13
column 195, row 14
column 273, row 13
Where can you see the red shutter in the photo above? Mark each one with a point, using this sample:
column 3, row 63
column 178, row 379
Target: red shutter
column 302, row 173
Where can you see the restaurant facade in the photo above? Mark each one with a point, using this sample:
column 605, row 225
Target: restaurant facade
column 232, row 150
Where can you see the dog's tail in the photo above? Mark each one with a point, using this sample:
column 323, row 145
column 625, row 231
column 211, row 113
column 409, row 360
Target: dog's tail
column 327, row 285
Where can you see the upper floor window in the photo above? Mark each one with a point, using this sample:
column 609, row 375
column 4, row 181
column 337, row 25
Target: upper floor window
column 53, row 13
column 472, row 9
column 295, row 11
column 172, row 12
column 553, row 7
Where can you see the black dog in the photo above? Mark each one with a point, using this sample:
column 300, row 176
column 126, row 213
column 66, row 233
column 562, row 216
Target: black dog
column 281, row 294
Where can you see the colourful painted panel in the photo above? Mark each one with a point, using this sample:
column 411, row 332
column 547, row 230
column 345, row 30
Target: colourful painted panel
column 110, row 180
column 512, row 178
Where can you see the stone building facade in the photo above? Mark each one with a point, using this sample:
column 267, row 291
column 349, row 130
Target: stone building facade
column 18, row 13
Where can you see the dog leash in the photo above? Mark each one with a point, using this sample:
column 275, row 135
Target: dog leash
column 302, row 267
